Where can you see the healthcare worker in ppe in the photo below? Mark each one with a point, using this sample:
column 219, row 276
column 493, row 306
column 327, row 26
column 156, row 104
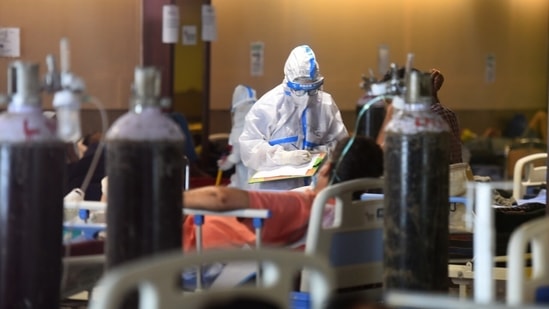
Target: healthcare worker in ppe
column 243, row 99
column 291, row 121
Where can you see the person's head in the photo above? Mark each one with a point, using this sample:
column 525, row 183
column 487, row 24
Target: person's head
column 243, row 94
column 352, row 158
column 243, row 99
column 302, row 74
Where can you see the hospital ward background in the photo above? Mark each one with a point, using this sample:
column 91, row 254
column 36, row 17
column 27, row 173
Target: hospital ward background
column 274, row 153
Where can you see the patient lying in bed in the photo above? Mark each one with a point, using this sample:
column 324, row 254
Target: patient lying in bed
column 290, row 210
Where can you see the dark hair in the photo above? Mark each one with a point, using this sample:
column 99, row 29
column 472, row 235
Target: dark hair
column 363, row 158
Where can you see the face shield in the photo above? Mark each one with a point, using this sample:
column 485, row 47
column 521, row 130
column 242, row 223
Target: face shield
column 302, row 86
column 301, row 72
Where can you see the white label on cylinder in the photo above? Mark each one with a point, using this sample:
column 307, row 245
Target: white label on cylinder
column 170, row 23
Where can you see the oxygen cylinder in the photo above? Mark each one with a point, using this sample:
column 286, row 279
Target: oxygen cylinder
column 145, row 174
column 416, row 158
column 32, row 176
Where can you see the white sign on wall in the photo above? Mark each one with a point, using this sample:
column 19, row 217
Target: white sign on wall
column 188, row 36
column 256, row 58
column 10, row 42
column 490, row 70
column 209, row 23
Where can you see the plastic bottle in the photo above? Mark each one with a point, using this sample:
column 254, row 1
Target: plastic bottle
column 416, row 192
column 32, row 165
column 145, row 172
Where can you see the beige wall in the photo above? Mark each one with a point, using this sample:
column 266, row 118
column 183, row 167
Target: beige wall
column 455, row 36
column 105, row 39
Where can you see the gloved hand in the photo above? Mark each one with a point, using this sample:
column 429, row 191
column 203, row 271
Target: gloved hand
column 295, row 157
column 226, row 162
column 76, row 195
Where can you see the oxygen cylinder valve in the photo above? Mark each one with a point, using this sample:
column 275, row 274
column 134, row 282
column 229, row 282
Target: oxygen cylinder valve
column 68, row 99
column 52, row 80
column 393, row 86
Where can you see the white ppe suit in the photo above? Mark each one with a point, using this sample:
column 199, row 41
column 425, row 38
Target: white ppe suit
column 284, row 125
column 243, row 99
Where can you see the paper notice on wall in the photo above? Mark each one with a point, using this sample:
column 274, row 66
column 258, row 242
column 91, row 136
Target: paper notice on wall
column 490, row 70
column 256, row 58
column 209, row 23
column 188, row 36
column 10, row 42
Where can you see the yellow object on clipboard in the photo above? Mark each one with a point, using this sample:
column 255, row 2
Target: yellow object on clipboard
column 287, row 172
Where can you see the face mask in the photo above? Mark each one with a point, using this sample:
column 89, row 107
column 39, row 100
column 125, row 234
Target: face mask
column 300, row 100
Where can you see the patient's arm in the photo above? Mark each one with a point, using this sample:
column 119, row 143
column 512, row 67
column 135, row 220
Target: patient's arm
column 216, row 198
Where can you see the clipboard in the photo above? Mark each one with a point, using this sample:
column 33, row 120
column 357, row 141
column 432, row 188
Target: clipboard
column 287, row 172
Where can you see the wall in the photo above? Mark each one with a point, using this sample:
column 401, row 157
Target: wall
column 105, row 40
column 455, row 36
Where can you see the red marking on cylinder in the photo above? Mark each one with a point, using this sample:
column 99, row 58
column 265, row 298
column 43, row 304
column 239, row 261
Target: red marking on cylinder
column 29, row 132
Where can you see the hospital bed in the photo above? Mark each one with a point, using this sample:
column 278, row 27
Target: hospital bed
column 155, row 278
column 529, row 171
column 353, row 243
column 519, row 149
column 354, row 221
column 491, row 223
column 415, row 300
column 358, row 269
column 462, row 273
column 526, row 284
column 84, row 269
column 83, row 258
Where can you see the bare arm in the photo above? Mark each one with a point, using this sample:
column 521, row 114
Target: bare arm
column 381, row 135
column 216, row 198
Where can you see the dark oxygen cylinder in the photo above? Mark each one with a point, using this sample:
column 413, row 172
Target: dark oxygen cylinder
column 416, row 159
column 145, row 177
column 32, row 176
column 372, row 119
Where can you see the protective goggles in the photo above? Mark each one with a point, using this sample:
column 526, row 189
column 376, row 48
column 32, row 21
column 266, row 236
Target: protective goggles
column 300, row 87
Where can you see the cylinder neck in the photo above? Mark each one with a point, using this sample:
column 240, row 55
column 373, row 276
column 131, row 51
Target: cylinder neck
column 23, row 85
column 146, row 89
column 418, row 87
